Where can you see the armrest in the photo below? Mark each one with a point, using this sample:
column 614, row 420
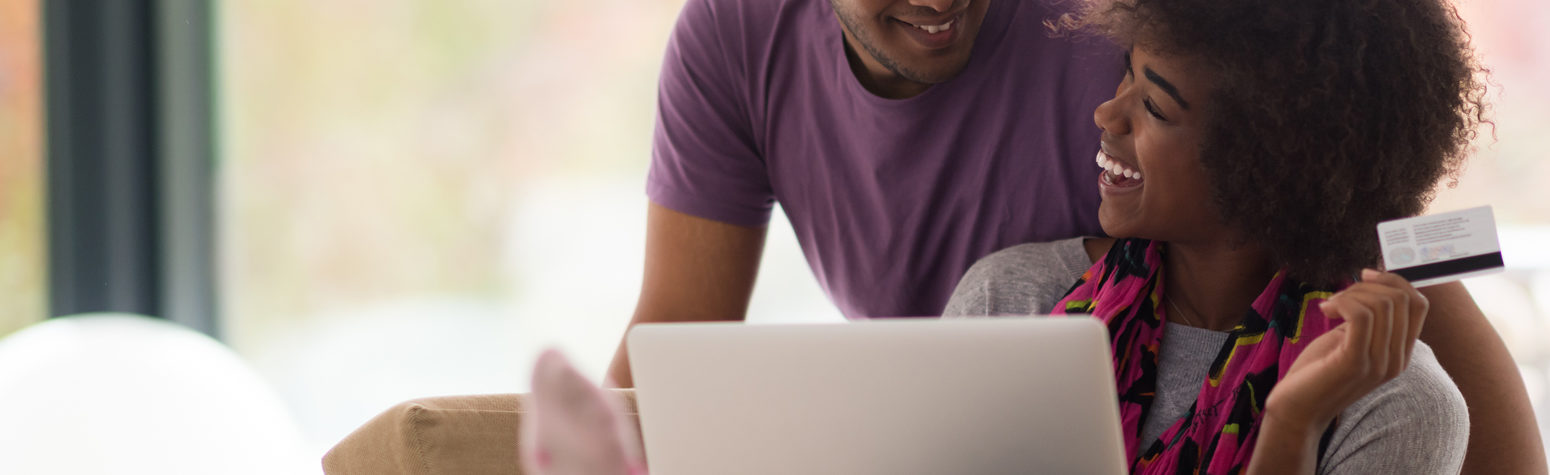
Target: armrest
column 443, row 435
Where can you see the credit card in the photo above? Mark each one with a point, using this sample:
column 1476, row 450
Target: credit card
column 1430, row 250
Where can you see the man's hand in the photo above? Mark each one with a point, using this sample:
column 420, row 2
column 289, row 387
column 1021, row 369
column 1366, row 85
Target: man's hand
column 696, row 270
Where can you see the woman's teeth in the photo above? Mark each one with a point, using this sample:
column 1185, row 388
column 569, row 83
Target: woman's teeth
column 1116, row 168
column 934, row 29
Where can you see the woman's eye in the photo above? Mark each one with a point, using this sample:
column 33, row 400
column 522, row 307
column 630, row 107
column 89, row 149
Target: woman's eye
column 1152, row 109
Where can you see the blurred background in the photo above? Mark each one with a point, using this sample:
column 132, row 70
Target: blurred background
column 411, row 198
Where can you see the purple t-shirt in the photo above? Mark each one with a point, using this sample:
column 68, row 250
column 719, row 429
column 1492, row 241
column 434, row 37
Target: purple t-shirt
column 891, row 200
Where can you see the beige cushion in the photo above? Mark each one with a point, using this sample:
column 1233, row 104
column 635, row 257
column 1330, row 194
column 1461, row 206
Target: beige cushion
column 444, row 435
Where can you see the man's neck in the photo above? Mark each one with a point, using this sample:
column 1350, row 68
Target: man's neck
column 875, row 77
column 1214, row 283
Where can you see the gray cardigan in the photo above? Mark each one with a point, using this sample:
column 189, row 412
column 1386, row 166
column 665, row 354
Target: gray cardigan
column 1415, row 423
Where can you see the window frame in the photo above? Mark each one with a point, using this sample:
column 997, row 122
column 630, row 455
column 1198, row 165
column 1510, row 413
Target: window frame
column 131, row 152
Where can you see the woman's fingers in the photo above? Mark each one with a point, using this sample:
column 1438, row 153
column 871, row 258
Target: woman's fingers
column 1409, row 314
column 1419, row 307
column 1381, row 311
column 1394, row 310
column 1399, row 332
column 1385, row 314
column 1359, row 320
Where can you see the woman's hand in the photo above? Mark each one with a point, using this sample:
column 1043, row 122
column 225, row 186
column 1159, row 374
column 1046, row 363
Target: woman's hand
column 1383, row 315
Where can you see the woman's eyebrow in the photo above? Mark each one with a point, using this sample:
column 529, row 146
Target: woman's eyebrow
column 1166, row 87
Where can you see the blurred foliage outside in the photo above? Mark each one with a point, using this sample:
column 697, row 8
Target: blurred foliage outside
column 371, row 148
column 418, row 195
column 1509, row 168
column 21, row 172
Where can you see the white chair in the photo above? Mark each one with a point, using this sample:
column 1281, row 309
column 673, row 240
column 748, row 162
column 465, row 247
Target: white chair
column 127, row 394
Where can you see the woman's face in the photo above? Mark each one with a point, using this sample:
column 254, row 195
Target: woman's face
column 1153, row 185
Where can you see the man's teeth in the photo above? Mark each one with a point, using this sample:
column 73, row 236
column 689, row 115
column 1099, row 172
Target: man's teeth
column 1113, row 166
column 933, row 29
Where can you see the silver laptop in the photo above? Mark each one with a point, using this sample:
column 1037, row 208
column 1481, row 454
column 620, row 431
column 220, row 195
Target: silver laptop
column 973, row 396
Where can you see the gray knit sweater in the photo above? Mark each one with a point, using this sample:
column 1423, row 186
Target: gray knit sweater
column 1416, row 423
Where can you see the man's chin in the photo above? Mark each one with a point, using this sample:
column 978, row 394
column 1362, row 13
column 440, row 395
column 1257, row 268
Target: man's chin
column 932, row 73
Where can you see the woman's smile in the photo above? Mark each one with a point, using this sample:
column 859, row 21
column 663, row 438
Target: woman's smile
column 1117, row 176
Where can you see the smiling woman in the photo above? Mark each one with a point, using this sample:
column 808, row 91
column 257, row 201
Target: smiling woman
column 1242, row 138
column 1249, row 331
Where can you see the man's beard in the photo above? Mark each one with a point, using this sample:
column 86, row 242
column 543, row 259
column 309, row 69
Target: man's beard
column 864, row 38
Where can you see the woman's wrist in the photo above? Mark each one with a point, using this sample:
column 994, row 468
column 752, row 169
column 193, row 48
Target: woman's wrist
column 1294, row 422
column 1285, row 444
column 1301, row 417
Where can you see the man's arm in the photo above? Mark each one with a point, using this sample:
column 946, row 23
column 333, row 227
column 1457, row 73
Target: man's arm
column 1503, row 434
column 696, row 270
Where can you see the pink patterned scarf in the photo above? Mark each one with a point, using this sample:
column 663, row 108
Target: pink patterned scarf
column 1217, row 434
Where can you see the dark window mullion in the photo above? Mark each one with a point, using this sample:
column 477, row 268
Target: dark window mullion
column 129, row 150
column 186, row 91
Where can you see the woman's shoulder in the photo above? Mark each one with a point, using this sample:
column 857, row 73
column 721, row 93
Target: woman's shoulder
column 1415, row 423
column 1097, row 247
column 1020, row 280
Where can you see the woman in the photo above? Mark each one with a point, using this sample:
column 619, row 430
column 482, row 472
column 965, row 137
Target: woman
column 1248, row 154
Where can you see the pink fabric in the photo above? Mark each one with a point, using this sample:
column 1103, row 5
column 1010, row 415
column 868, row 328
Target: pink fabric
column 1217, row 434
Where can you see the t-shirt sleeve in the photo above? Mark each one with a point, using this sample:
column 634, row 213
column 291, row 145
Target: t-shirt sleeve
column 1415, row 423
column 704, row 158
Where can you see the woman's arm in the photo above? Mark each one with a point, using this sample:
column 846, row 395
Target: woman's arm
column 1384, row 431
column 1285, row 446
column 1503, row 435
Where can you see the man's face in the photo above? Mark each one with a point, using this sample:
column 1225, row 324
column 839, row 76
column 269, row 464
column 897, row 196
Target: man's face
column 919, row 41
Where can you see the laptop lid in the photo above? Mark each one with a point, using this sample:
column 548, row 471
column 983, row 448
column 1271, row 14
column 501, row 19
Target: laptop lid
column 1003, row 395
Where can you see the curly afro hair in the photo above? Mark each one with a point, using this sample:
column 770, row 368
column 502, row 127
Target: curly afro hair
column 1327, row 117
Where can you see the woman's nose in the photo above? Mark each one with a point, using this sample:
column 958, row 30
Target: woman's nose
column 1110, row 118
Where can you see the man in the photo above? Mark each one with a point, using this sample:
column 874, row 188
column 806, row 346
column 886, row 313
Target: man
column 905, row 139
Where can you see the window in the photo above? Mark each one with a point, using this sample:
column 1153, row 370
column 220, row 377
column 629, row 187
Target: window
column 419, row 195
column 21, row 169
